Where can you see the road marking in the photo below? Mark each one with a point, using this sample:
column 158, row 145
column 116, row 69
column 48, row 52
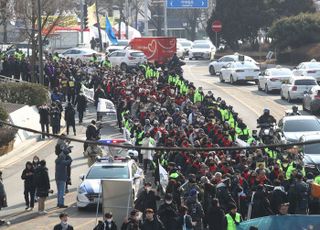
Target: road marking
column 85, row 223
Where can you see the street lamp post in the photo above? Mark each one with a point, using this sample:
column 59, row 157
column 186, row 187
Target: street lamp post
column 41, row 79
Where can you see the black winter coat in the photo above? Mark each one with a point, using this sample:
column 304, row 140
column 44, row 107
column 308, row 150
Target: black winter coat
column 261, row 205
column 44, row 115
column 59, row 227
column 168, row 214
column 105, row 226
column 155, row 224
column 81, row 102
column 147, row 200
column 42, row 181
column 69, row 115
column 29, row 182
column 215, row 218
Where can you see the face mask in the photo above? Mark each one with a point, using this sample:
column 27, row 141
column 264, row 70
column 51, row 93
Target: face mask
column 109, row 220
column 148, row 189
column 168, row 201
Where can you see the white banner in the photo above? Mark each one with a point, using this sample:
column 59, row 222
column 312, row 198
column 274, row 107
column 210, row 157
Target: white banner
column 88, row 93
column 106, row 106
column 164, row 178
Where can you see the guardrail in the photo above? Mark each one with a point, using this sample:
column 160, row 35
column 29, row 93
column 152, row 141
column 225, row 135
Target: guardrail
column 8, row 79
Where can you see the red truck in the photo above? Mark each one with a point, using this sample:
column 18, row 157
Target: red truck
column 158, row 50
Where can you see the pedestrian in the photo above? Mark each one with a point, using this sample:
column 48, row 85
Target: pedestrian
column 92, row 152
column 92, row 134
column 29, row 187
column 215, row 217
column 261, row 204
column 195, row 209
column 55, row 118
column 42, row 184
column 298, row 196
column 147, row 199
column 64, row 225
column 168, row 213
column 184, row 220
column 134, row 221
column 99, row 93
column 152, row 222
column 35, row 162
column 107, row 224
column 93, row 43
column 147, row 141
column 44, row 119
column 69, row 117
column 81, row 103
column 233, row 218
column 3, row 198
column 61, row 177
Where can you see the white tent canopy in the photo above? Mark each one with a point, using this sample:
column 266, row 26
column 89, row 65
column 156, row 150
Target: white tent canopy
column 132, row 32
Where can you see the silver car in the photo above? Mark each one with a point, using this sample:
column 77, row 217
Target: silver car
column 311, row 100
column 119, row 170
column 292, row 128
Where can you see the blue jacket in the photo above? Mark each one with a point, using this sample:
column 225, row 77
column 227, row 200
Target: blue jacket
column 61, row 167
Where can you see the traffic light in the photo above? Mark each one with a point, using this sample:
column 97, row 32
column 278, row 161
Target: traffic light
column 85, row 16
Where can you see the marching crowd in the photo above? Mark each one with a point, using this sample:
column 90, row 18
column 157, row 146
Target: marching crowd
column 206, row 189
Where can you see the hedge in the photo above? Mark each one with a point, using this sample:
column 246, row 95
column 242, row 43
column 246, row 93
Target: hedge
column 295, row 31
column 3, row 113
column 23, row 93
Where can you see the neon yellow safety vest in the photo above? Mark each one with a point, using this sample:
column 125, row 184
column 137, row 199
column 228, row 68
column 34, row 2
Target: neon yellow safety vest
column 271, row 153
column 317, row 180
column 174, row 175
column 107, row 64
column 231, row 223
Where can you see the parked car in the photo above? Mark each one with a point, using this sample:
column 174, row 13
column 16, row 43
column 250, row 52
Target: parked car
column 311, row 100
column 215, row 66
column 203, row 50
column 292, row 128
column 311, row 68
column 273, row 78
column 84, row 54
column 311, row 154
column 127, row 58
column 296, row 87
column 239, row 71
column 121, row 45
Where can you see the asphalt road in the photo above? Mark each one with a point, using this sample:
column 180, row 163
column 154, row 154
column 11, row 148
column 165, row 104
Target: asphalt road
column 245, row 98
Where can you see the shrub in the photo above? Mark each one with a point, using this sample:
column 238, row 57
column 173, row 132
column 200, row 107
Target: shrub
column 295, row 31
column 23, row 93
column 3, row 114
column 6, row 135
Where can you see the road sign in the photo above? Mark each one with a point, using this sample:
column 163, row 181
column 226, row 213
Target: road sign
column 187, row 4
column 269, row 55
column 216, row 26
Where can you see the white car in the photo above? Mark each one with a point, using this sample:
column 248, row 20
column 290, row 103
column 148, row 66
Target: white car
column 239, row 71
column 296, row 87
column 121, row 45
column 273, row 78
column 215, row 66
column 180, row 51
column 292, row 128
column 311, row 68
column 186, row 45
column 127, row 58
column 203, row 50
column 83, row 54
column 118, row 170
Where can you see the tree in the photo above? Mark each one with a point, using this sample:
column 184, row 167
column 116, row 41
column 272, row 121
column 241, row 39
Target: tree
column 26, row 11
column 295, row 31
column 242, row 19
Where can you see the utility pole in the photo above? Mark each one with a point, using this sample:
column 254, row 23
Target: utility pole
column 41, row 79
column 82, row 21
column 127, row 18
column 99, row 28
column 146, row 26
column 165, row 18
